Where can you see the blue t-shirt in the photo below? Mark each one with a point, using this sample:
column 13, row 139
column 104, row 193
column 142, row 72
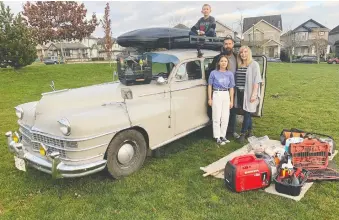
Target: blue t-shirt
column 221, row 80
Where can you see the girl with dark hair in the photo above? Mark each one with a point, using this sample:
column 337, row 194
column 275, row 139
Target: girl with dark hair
column 221, row 82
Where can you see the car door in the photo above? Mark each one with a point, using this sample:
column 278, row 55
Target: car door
column 262, row 60
column 188, row 96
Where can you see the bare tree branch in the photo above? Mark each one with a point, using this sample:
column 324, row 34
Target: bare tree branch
column 106, row 24
column 319, row 42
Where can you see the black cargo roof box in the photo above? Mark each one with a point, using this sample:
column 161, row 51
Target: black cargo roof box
column 169, row 38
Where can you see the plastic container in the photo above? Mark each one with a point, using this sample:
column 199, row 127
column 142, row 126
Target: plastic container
column 289, row 189
column 310, row 154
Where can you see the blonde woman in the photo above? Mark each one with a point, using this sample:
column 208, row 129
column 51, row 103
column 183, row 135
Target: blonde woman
column 221, row 81
column 247, row 92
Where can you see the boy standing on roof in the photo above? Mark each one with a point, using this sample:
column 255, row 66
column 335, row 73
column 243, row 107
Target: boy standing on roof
column 205, row 25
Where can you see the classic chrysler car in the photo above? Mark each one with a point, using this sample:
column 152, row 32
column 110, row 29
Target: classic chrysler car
column 76, row 132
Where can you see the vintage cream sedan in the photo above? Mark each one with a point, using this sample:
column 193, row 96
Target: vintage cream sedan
column 76, row 132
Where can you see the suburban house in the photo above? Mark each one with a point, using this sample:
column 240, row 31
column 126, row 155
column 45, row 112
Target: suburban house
column 306, row 38
column 262, row 34
column 116, row 48
column 72, row 50
column 223, row 30
column 333, row 39
column 40, row 51
column 86, row 49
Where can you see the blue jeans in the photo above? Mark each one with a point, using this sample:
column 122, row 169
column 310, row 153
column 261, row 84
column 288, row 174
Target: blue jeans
column 247, row 123
column 210, row 33
column 232, row 120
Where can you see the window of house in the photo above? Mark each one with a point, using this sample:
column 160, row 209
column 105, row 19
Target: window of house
column 67, row 53
column 321, row 33
column 189, row 71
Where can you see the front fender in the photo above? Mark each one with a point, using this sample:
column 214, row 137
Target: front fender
column 98, row 121
column 29, row 113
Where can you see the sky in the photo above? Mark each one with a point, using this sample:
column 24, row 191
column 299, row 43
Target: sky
column 130, row 15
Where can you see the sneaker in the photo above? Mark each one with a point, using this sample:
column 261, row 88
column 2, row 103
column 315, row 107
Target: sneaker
column 250, row 133
column 219, row 141
column 242, row 139
column 236, row 135
column 224, row 140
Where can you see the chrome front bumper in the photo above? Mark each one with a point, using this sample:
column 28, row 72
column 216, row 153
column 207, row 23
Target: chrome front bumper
column 53, row 165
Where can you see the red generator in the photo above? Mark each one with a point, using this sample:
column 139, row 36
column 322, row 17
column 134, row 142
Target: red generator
column 247, row 172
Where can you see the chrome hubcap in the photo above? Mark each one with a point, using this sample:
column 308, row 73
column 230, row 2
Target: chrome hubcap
column 126, row 153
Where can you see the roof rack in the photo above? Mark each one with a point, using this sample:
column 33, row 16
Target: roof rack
column 201, row 41
column 217, row 41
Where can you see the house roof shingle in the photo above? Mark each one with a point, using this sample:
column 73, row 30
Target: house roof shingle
column 334, row 30
column 274, row 20
column 75, row 45
column 101, row 41
column 322, row 27
column 224, row 25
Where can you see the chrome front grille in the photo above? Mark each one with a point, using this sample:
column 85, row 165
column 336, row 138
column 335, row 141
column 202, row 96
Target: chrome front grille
column 52, row 144
column 24, row 131
column 50, row 149
column 26, row 140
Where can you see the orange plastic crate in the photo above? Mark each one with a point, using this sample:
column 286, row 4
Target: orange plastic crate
column 310, row 154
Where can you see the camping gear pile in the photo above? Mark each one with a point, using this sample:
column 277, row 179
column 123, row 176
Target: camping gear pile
column 304, row 158
column 135, row 69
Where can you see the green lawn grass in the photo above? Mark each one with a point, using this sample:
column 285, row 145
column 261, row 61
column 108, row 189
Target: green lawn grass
column 172, row 186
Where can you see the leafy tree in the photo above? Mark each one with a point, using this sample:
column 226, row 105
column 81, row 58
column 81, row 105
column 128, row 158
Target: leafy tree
column 17, row 46
column 54, row 21
column 106, row 24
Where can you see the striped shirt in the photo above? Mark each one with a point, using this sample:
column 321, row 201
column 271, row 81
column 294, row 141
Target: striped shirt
column 240, row 77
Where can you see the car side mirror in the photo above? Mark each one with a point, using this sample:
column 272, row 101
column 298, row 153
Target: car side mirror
column 161, row 80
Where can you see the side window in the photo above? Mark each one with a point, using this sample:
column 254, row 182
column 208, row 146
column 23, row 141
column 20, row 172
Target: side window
column 207, row 64
column 181, row 73
column 208, row 67
column 189, row 71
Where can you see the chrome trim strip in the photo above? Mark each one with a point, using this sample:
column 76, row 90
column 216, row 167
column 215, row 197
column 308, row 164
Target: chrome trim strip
column 70, row 149
column 157, row 93
column 200, row 85
column 78, row 160
column 180, row 135
column 68, row 168
column 112, row 103
column 66, row 175
column 35, row 131
column 57, row 91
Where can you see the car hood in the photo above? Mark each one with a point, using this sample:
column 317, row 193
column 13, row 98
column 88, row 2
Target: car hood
column 65, row 103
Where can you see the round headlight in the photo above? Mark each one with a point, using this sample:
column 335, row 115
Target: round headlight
column 19, row 112
column 65, row 126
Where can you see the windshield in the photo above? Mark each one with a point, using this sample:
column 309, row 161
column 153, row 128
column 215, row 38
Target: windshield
column 148, row 65
column 162, row 64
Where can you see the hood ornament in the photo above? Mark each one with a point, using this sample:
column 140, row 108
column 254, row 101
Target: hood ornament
column 52, row 85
